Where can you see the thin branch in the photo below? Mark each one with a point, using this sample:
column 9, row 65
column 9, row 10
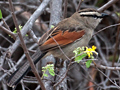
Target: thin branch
column 107, row 5
column 6, row 38
column 25, row 48
column 8, row 32
column 100, row 50
column 80, row 2
column 63, row 76
column 108, row 78
column 5, row 24
column 106, row 28
column 56, row 12
column 65, row 8
column 28, row 25
column 61, row 49
column 33, row 36
column 9, row 17
column 24, row 5
column 116, row 45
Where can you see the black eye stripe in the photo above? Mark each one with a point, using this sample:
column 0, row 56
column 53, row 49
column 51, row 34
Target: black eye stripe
column 95, row 16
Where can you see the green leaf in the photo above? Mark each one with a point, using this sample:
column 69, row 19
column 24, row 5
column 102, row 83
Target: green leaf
column 77, row 51
column 79, row 58
column 91, row 57
column 88, row 63
column 118, row 13
column 52, row 73
column 0, row 14
column 52, row 26
column 45, row 75
column 49, row 68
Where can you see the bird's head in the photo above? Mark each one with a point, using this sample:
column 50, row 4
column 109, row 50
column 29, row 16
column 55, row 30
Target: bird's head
column 90, row 17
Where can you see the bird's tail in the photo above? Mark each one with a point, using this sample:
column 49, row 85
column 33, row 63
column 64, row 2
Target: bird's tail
column 15, row 78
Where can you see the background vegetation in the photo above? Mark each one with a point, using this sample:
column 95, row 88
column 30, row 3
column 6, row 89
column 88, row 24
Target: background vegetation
column 36, row 17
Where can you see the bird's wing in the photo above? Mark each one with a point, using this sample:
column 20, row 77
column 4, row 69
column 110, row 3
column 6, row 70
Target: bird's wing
column 59, row 36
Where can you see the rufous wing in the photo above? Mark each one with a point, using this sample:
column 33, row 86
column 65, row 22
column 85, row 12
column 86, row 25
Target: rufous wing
column 61, row 38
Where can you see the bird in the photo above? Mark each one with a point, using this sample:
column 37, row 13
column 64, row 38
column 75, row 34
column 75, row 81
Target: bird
column 70, row 33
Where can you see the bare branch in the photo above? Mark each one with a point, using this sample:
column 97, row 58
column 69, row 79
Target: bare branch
column 80, row 2
column 29, row 24
column 56, row 12
column 65, row 8
column 107, row 5
column 8, row 32
column 25, row 48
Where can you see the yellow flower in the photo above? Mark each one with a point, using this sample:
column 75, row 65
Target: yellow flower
column 93, row 47
column 90, row 51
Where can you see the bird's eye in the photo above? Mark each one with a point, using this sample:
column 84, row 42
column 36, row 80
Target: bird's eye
column 95, row 17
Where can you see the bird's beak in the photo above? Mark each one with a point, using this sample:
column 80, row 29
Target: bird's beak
column 104, row 15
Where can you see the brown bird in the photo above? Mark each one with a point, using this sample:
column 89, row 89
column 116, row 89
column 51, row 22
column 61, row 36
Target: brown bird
column 70, row 33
